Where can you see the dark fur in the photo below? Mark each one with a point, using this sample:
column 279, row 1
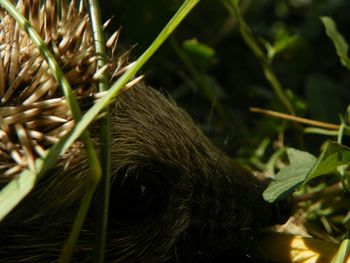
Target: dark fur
column 198, row 203
column 174, row 196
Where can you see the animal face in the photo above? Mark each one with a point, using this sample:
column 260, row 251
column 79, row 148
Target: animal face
column 174, row 196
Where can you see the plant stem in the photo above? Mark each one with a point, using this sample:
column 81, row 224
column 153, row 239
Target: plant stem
column 248, row 37
column 105, row 137
column 297, row 119
column 117, row 87
column 94, row 165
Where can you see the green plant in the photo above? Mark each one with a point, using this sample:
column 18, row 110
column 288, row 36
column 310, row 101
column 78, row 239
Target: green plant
column 11, row 195
column 303, row 167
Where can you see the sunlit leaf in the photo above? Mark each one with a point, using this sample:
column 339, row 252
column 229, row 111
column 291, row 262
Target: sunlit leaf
column 292, row 176
column 305, row 167
column 343, row 252
column 332, row 157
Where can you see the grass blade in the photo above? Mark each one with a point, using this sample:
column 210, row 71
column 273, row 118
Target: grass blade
column 12, row 191
column 105, row 137
column 94, row 166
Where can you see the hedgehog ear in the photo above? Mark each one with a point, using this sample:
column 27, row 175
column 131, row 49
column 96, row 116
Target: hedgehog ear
column 137, row 193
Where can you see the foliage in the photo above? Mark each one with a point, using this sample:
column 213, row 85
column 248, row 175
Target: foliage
column 231, row 55
column 11, row 194
column 284, row 56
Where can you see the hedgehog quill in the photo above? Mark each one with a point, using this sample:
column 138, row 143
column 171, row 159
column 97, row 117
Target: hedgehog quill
column 174, row 196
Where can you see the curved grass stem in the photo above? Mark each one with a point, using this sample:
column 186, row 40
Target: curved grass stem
column 117, row 87
column 252, row 43
column 105, row 137
column 94, row 165
column 12, row 194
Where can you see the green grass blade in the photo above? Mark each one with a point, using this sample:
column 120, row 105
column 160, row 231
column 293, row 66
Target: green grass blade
column 15, row 191
column 94, row 166
column 105, row 137
column 123, row 80
column 42, row 165
column 116, row 88
column 252, row 43
column 343, row 252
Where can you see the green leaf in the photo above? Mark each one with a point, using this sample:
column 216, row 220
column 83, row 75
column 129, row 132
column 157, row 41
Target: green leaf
column 16, row 190
column 199, row 53
column 333, row 156
column 290, row 177
column 304, row 167
column 338, row 40
column 252, row 43
column 343, row 252
column 283, row 41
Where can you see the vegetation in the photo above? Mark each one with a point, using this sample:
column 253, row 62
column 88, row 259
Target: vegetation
column 268, row 82
column 230, row 63
column 11, row 194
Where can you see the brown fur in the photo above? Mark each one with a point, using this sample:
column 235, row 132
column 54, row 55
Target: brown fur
column 174, row 196
column 203, row 204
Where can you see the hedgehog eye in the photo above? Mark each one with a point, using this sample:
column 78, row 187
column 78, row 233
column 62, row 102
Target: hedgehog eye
column 138, row 194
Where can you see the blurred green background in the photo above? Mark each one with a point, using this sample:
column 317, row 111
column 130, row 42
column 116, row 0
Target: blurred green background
column 209, row 71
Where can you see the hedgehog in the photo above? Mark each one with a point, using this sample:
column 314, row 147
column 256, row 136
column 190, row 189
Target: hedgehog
column 174, row 196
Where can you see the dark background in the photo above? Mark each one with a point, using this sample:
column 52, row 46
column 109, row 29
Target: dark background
column 310, row 69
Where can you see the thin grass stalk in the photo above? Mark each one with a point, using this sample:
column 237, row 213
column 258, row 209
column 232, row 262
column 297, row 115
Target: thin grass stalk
column 94, row 165
column 345, row 179
column 59, row 8
column 199, row 80
column 319, row 131
column 105, row 137
column 68, row 247
column 296, row 119
column 117, row 87
column 251, row 42
column 15, row 191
